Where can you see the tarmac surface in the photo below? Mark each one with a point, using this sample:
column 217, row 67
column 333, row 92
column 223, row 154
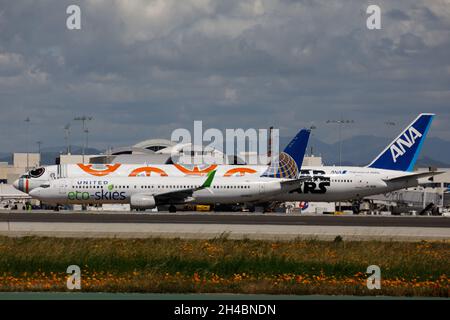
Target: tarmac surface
column 226, row 218
column 197, row 225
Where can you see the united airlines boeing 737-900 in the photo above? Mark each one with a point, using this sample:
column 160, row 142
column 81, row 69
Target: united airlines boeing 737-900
column 148, row 192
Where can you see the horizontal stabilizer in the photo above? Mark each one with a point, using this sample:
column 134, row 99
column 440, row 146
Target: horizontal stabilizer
column 415, row 176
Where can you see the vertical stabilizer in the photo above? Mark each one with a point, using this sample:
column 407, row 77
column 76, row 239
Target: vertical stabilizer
column 401, row 154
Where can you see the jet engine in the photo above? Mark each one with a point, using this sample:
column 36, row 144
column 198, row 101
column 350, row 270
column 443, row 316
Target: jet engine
column 142, row 201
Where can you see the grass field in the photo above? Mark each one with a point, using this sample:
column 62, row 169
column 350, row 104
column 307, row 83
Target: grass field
column 225, row 266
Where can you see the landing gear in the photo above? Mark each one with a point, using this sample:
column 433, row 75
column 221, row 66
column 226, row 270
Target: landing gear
column 271, row 206
column 172, row 208
column 356, row 206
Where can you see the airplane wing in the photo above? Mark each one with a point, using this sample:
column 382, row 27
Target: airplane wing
column 294, row 182
column 14, row 197
column 414, row 176
column 183, row 195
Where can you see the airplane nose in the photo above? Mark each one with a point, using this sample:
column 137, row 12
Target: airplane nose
column 22, row 184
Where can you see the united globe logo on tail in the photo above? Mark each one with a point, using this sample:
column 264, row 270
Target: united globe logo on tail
column 289, row 162
column 283, row 167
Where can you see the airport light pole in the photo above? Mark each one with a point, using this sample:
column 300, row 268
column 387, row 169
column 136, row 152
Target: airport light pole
column 27, row 120
column 39, row 143
column 83, row 119
column 340, row 122
column 67, row 136
column 312, row 127
column 390, row 124
column 86, row 131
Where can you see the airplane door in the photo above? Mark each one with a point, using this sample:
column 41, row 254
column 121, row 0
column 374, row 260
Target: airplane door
column 360, row 182
column 62, row 188
column 261, row 188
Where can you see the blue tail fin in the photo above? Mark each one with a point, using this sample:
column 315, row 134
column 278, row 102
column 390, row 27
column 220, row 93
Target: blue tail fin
column 289, row 162
column 402, row 153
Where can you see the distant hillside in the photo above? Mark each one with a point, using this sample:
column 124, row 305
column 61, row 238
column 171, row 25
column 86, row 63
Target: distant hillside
column 49, row 154
column 361, row 150
column 429, row 162
column 5, row 157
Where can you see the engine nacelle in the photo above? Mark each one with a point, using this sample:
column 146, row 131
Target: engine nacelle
column 142, row 201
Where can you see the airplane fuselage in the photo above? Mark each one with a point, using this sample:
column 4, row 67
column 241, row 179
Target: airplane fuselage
column 328, row 183
column 122, row 190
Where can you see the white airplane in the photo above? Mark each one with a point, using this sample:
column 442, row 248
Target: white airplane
column 391, row 170
column 149, row 192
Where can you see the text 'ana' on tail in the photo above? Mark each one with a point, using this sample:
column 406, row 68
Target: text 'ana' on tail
column 402, row 153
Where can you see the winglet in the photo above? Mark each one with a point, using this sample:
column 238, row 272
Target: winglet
column 209, row 179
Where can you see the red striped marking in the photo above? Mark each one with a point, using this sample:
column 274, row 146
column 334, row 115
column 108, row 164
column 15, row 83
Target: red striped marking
column 26, row 185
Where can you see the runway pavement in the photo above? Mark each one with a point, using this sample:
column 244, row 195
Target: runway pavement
column 197, row 225
column 227, row 218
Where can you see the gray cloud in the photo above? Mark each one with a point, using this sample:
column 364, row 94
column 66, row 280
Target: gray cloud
column 143, row 68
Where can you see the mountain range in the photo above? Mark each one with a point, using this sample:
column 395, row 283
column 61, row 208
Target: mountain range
column 49, row 154
column 361, row 150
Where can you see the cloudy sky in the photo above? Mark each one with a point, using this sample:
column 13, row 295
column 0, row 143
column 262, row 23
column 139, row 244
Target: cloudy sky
column 143, row 68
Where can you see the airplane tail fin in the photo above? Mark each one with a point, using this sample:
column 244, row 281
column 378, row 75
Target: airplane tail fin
column 401, row 154
column 289, row 162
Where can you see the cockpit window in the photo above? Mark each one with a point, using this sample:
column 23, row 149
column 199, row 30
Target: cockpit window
column 36, row 173
column 45, row 185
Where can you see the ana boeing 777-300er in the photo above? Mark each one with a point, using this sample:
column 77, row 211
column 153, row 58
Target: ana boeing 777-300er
column 149, row 192
column 391, row 170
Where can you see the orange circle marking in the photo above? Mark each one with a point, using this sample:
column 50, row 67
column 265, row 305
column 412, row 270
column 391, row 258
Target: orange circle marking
column 196, row 170
column 148, row 171
column 240, row 171
column 99, row 173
